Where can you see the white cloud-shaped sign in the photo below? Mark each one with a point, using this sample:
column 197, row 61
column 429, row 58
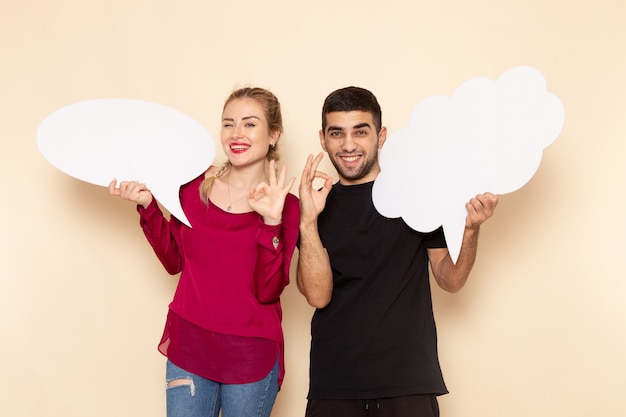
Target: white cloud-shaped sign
column 488, row 137
column 98, row 140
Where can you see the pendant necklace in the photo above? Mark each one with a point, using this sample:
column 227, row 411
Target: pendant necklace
column 230, row 202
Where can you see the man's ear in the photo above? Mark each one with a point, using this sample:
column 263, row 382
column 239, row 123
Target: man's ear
column 322, row 141
column 382, row 137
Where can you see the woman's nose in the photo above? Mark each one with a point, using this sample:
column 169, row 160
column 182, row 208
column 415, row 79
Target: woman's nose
column 238, row 131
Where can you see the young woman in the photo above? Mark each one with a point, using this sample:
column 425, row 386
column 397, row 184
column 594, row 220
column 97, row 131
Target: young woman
column 223, row 336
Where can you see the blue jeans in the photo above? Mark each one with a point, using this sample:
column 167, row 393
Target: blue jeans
column 189, row 395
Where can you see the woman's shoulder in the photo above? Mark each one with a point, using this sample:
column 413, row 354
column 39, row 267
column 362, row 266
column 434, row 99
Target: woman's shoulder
column 212, row 170
column 200, row 178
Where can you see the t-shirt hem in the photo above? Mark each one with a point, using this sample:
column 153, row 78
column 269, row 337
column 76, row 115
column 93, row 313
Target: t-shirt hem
column 354, row 395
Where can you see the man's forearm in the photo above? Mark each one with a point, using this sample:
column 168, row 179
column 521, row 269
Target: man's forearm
column 453, row 276
column 314, row 275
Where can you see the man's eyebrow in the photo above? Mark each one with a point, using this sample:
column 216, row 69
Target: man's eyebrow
column 357, row 126
column 334, row 128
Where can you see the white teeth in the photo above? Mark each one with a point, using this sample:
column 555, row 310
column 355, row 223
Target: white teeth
column 238, row 147
column 350, row 158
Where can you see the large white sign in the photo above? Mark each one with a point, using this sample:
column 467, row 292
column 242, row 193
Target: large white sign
column 488, row 137
column 130, row 140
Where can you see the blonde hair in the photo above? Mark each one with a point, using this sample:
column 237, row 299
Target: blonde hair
column 271, row 107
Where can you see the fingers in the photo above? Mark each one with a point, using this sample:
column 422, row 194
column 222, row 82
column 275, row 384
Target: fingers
column 488, row 200
column 484, row 202
column 127, row 190
column 281, row 176
column 259, row 189
column 272, row 172
column 311, row 166
column 280, row 181
column 307, row 169
column 319, row 174
column 322, row 175
column 480, row 208
column 310, row 173
column 113, row 190
column 317, row 161
column 304, row 178
column 292, row 181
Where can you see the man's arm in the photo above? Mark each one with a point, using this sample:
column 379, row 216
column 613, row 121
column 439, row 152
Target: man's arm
column 448, row 275
column 314, row 276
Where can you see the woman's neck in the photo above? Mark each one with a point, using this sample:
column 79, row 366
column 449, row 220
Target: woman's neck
column 245, row 178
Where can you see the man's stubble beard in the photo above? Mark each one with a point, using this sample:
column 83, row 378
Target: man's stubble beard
column 362, row 172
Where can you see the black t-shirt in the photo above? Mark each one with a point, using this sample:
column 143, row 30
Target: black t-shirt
column 377, row 336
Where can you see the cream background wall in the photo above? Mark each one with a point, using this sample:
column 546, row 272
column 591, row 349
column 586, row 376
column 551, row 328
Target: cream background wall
column 539, row 329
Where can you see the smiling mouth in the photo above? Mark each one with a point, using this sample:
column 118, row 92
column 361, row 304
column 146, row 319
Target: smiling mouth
column 350, row 158
column 239, row 148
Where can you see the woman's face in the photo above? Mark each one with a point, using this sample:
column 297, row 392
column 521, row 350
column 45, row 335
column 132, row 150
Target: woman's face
column 245, row 132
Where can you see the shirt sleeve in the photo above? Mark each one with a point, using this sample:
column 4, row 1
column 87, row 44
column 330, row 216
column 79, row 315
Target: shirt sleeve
column 163, row 235
column 435, row 239
column 276, row 246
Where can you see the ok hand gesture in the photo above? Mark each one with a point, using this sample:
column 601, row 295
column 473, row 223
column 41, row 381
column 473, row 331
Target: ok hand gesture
column 312, row 202
column 269, row 199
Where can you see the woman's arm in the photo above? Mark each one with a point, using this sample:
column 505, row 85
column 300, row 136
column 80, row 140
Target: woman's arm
column 276, row 247
column 161, row 233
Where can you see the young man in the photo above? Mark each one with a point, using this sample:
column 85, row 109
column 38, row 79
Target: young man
column 374, row 342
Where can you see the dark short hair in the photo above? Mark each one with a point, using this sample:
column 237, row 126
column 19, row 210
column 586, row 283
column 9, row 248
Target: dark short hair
column 351, row 99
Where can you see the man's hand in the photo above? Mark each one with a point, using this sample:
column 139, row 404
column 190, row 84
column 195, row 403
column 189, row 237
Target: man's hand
column 312, row 201
column 479, row 209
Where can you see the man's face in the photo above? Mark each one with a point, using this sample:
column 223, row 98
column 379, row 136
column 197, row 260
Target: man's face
column 352, row 143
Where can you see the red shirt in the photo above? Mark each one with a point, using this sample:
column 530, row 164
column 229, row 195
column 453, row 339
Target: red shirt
column 224, row 322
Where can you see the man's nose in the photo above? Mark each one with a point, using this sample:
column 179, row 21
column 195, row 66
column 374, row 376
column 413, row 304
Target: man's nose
column 349, row 144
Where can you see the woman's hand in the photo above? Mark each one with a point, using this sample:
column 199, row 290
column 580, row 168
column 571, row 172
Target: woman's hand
column 133, row 191
column 269, row 199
